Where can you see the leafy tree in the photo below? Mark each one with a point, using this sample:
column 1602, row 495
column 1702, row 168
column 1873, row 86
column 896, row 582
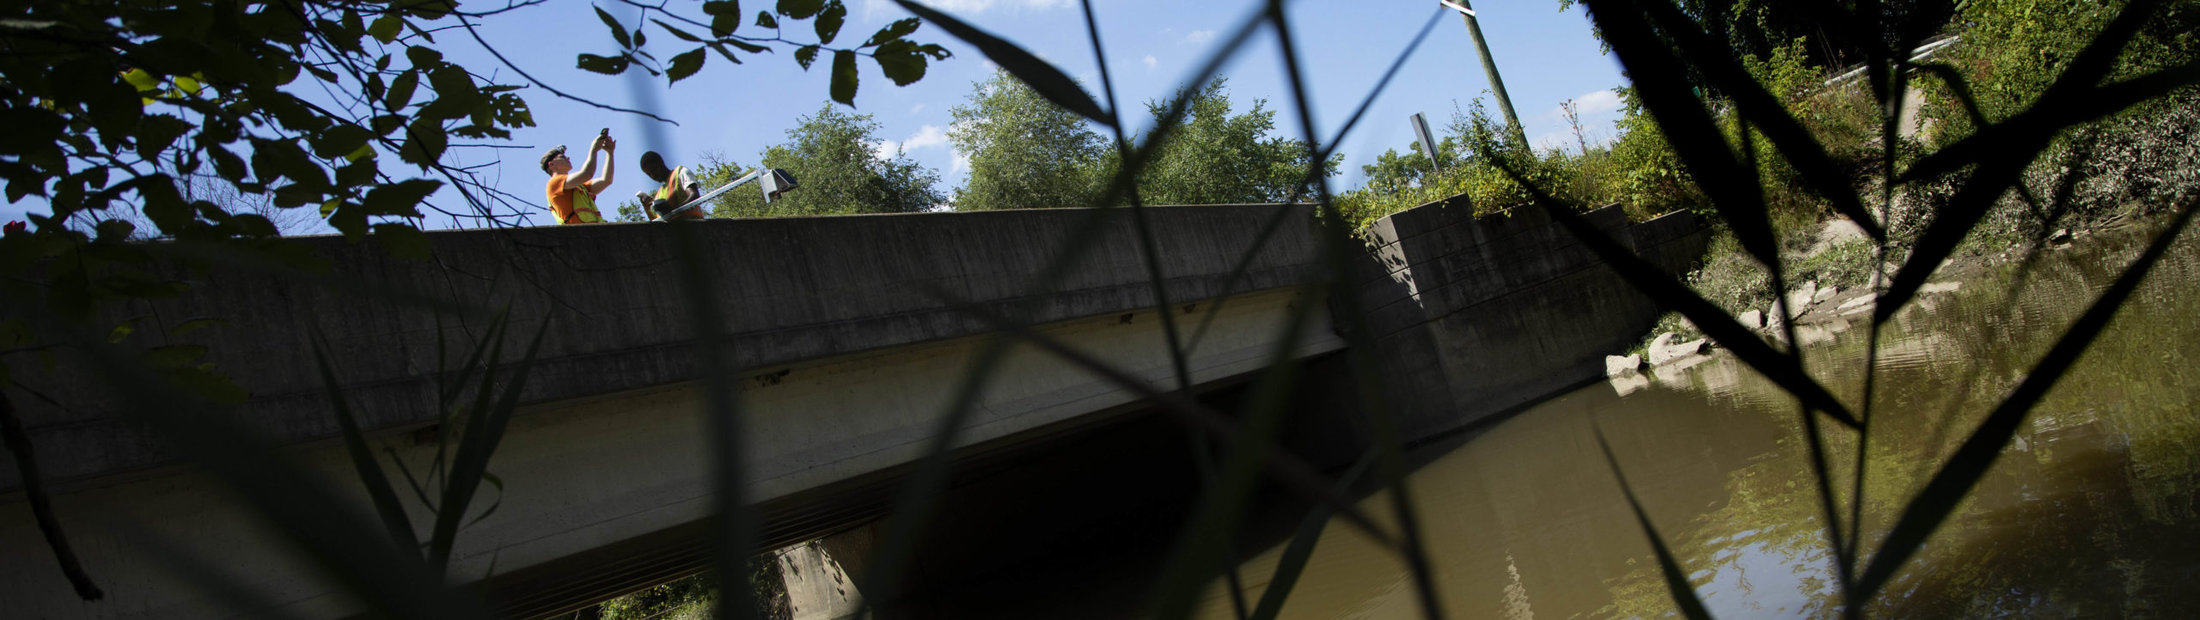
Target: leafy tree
column 1025, row 152
column 1393, row 172
column 832, row 154
column 1216, row 157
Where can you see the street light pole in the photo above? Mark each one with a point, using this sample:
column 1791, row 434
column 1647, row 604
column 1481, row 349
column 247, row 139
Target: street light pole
column 1489, row 65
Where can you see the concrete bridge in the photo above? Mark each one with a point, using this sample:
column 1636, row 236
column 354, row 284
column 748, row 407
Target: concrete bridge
column 846, row 360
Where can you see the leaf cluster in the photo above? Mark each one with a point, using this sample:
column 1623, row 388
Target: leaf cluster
column 717, row 29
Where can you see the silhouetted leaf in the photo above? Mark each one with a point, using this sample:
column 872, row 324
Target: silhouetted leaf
column 399, row 198
column 607, row 65
column 805, row 55
column 618, row 32
column 765, row 19
column 401, row 90
column 894, row 31
column 423, row 57
column 424, row 142
column 1043, row 78
column 227, row 164
column 900, row 61
column 829, row 21
column 385, row 28
column 725, row 16
column 800, row 9
column 682, row 34
column 844, row 77
column 156, row 131
column 685, row 64
column 340, row 140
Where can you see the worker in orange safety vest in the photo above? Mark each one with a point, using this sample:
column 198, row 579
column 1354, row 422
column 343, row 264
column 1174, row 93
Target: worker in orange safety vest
column 572, row 194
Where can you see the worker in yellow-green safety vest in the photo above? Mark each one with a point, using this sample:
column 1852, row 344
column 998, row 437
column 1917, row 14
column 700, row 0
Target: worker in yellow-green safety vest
column 674, row 190
column 572, row 194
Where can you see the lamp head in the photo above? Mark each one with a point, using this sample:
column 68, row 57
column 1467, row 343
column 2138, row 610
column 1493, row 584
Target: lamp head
column 776, row 181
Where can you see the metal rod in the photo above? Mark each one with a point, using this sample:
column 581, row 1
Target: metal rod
column 751, row 176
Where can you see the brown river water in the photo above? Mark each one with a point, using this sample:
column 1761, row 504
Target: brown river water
column 2090, row 512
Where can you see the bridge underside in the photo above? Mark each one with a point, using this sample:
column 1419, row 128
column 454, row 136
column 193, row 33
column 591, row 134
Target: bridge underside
column 606, row 494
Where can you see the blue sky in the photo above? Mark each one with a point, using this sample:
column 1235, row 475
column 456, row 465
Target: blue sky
column 1547, row 56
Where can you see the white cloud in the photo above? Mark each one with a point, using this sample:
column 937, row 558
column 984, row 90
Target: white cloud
column 1587, row 105
column 929, row 136
column 1151, row 61
column 1601, row 101
column 958, row 162
column 1200, row 36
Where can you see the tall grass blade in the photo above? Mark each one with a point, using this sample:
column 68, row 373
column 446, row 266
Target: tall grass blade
column 1043, row 77
column 1933, row 505
column 1339, row 245
column 1151, row 254
column 1292, row 563
column 918, row 497
column 377, row 484
column 1766, row 113
column 304, row 511
column 733, row 521
column 1206, row 542
column 913, row 504
column 1275, row 220
column 34, row 489
column 470, row 465
column 1676, row 579
column 1663, row 88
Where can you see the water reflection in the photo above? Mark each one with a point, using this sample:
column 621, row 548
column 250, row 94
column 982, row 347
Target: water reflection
column 2091, row 511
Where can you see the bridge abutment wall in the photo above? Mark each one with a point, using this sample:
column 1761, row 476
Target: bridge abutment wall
column 1472, row 317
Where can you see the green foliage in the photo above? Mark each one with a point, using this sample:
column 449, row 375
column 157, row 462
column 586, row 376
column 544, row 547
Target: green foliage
column 1473, row 144
column 1025, row 152
column 1392, row 172
column 1215, row 157
column 2134, row 162
column 717, row 30
column 833, row 154
column 2014, row 49
column 694, row 598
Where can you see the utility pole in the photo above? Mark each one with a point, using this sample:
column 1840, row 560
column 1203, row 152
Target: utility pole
column 1489, row 65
